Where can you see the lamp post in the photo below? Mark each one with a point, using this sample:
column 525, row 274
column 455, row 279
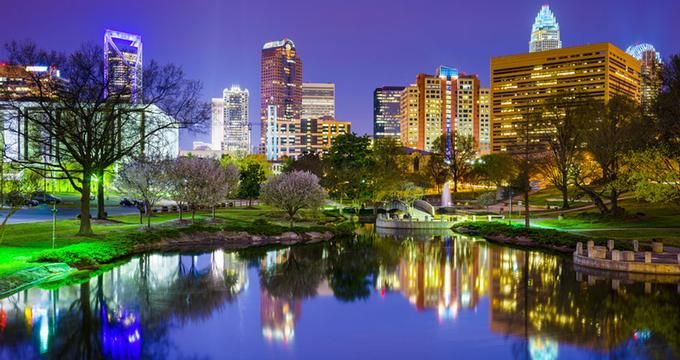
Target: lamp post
column 54, row 223
column 510, row 212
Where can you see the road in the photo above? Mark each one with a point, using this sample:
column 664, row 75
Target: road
column 44, row 213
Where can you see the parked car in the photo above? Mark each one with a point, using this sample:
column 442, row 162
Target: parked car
column 45, row 198
column 125, row 202
column 19, row 199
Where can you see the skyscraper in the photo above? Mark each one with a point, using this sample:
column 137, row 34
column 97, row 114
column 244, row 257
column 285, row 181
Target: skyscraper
column 650, row 67
column 123, row 64
column 442, row 104
column 521, row 83
column 217, row 120
column 386, row 110
column 236, row 128
column 484, row 109
column 318, row 100
column 409, row 117
column 281, row 87
column 545, row 33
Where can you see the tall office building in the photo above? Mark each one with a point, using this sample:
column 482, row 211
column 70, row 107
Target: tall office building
column 217, row 121
column 484, row 109
column 650, row 68
column 236, row 128
column 318, row 100
column 386, row 110
column 318, row 134
column 545, row 33
column 521, row 83
column 280, row 88
column 441, row 104
column 123, row 65
column 409, row 117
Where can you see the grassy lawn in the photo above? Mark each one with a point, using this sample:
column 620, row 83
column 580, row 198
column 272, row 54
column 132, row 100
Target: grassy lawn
column 23, row 243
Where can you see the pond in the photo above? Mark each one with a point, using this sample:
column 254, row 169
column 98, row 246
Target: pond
column 377, row 296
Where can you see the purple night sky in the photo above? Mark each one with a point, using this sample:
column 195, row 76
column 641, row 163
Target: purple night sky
column 359, row 45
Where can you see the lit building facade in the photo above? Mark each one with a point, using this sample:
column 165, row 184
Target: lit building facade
column 318, row 134
column 408, row 113
column 236, row 128
column 217, row 123
column 18, row 82
column 318, row 100
column 280, row 87
column 386, row 112
column 123, row 64
column 521, row 83
column 650, row 69
column 443, row 104
column 545, row 32
column 484, row 108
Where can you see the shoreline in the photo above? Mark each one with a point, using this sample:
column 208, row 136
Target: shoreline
column 48, row 272
column 519, row 242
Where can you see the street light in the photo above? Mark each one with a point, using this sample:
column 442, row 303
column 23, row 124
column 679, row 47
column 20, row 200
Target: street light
column 54, row 223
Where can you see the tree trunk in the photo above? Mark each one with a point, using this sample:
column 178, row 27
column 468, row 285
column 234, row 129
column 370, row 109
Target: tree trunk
column 594, row 197
column 101, row 210
column 141, row 215
column 180, row 211
column 455, row 185
column 85, row 223
column 565, row 198
column 526, row 208
column 291, row 223
column 213, row 212
column 614, row 202
column 193, row 215
column 148, row 216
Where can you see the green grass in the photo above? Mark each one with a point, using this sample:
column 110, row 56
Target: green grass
column 540, row 237
column 24, row 244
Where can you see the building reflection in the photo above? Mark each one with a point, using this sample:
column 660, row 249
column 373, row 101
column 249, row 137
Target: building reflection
column 446, row 274
column 278, row 314
column 532, row 299
column 111, row 314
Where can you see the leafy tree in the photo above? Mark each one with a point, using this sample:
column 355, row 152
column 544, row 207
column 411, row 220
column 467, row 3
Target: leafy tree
column 292, row 192
column 654, row 172
column 252, row 176
column 349, row 165
column 436, row 168
column 616, row 131
column 145, row 178
column 388, row 171
column 495, row 169
column 310, row 162
column 655, row 175
column 93, row 122
column 487, row 199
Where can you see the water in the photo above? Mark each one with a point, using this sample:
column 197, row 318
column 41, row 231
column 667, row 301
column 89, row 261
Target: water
column 375, row 297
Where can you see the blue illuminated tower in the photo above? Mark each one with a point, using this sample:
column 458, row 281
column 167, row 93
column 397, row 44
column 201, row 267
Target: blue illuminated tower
column 123, row 65
column 545, row 33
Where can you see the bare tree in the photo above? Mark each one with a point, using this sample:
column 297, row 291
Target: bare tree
column 80, row 125
column 292, row 192
column 459, row 157
column 566, row 115
column 146, row 179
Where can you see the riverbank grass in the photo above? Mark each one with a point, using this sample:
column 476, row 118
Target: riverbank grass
column 549, row 239
column 25, row 245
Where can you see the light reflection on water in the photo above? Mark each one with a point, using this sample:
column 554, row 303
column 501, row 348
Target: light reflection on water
column 384, row 294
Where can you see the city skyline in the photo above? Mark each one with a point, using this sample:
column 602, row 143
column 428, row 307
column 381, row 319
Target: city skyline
column 238, row 62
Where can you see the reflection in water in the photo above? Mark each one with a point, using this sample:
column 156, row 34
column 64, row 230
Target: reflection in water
column 534, row 303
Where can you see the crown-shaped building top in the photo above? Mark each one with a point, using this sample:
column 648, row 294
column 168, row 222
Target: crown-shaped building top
column 545, row 33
